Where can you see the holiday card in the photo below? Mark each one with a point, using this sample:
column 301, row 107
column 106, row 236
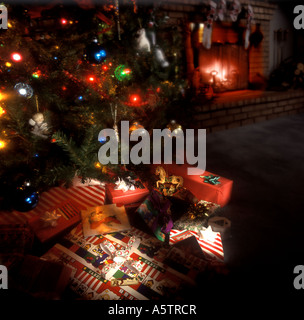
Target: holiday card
column 104, row 219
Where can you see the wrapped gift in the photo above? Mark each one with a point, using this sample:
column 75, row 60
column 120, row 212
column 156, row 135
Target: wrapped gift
column 59, row 209
column 126, row 191
column 209, row 241
column 104, row 219
column 197, row 216
column 55, row 220
column 207, row 186
column 94, row 268
column 155, row 211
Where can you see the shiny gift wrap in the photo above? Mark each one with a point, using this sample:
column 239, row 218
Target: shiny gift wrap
column 155, row 211
column 197, row 216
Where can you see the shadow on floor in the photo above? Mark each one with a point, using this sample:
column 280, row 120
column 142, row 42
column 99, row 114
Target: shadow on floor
column 266, row 163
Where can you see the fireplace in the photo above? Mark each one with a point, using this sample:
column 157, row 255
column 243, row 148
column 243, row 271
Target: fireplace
column 238, row 76
column 224, row 66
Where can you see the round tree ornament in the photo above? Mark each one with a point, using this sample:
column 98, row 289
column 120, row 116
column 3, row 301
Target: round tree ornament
column 25, row 197
column 95, row 53
column 122, row 73
column 174, row 127
column 24, row 90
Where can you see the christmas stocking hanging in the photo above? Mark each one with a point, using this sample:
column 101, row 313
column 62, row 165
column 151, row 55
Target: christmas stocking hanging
column 236, row 9
column 221, row 10
column 248, row 28
column 207, row 35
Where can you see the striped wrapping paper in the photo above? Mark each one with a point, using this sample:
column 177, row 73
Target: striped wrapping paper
column 82, row 197
column 213, row 249
column 87, row 259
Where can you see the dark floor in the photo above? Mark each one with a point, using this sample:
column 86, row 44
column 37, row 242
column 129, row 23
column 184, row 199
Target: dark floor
column 266, row 163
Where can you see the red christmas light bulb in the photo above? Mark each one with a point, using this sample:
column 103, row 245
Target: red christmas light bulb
column 16, row 56
column 135, row 98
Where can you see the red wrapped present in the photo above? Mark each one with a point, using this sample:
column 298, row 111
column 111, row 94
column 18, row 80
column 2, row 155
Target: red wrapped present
column 121, row 194
column 210, row 242
column 208, row 186
column 59, row 209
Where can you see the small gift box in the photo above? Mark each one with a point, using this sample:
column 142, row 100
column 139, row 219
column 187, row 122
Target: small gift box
column 55, row 220
column 207, row 186
column 126, row 191
column 155, row 211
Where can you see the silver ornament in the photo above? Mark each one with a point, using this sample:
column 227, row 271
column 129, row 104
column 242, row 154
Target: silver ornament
column 24, row 90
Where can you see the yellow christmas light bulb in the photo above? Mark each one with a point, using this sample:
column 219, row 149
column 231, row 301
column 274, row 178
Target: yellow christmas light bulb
column 2, row 144
column 97, row 165
column 1, row 111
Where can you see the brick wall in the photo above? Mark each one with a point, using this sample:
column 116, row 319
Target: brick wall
column 230, row 112
column 259, row 57
column 234, row 109
column 179, row 10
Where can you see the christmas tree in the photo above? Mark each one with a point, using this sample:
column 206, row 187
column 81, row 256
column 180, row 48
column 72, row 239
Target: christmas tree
column 69, row 72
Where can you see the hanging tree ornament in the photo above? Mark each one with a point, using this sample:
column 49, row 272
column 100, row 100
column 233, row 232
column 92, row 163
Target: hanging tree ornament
column 24, row 90
column 114, row 116
column 150, row 31
column 117, row 18
column 160, row 57
column 40, row 127
column 137, row 126
column 25, row 197
column 122, row 73
column 142, row 42
column 95, row 53
column 174, row 127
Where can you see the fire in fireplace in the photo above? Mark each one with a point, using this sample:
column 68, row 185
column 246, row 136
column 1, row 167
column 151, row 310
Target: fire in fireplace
column 225, row 66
